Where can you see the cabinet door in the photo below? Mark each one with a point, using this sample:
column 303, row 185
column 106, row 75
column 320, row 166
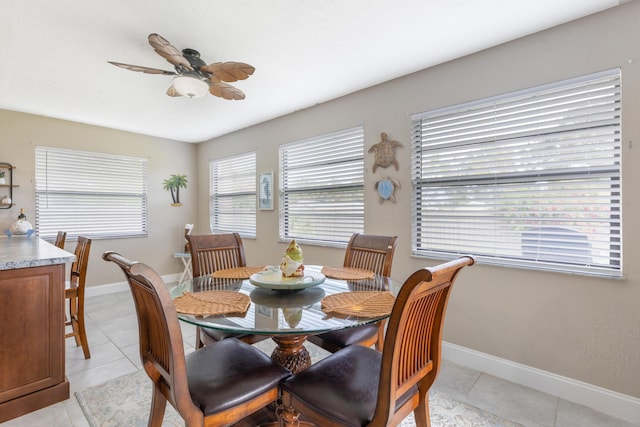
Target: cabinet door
column 31, row 330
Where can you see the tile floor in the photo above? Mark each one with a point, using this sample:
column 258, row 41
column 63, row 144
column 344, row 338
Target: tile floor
column 113, row 336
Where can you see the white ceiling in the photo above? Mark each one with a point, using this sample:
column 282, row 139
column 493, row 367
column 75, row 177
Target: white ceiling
column 54, row 53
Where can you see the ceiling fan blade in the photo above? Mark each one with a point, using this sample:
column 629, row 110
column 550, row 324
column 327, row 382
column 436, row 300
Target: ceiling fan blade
column 168, row 52
column 172, row 91
column 229, row 71
column 146, row 70
column 225, row 91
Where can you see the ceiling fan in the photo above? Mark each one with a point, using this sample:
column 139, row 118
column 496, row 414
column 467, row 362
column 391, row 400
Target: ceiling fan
column 194, row 78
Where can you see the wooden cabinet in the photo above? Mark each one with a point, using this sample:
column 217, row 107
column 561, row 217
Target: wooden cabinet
column 32, row 365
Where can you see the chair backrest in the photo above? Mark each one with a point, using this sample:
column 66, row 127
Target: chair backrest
column 212, row 252
column 79, row 266
column 161, row 347
column 371, row 252
column 412, row 346
column 60, row 239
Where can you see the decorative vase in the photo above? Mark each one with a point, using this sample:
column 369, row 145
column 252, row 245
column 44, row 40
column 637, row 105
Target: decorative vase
column 21, row 226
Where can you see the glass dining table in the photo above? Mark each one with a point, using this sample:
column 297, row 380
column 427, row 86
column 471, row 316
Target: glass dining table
column 287, row 315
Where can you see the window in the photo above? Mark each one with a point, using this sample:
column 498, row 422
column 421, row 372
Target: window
column 528, row 179
column 232, row 187
column 322, row 188
column 95, row 195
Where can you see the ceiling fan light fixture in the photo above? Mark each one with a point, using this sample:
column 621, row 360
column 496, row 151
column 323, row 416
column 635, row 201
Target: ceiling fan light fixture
column 194, row 78
column 191, row 87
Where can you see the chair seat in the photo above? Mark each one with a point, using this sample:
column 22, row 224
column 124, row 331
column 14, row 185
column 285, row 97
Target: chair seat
column 344, row 383
column 349, row 336
column 229, row 371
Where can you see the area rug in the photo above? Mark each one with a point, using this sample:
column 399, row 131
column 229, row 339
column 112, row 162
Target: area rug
column 125, row 401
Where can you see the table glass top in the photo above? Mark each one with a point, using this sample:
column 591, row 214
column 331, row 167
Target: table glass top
column 291, row 312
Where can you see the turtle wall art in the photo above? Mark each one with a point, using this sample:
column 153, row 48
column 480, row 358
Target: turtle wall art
column 386, row 189
column 385, row 153
column 385, row 156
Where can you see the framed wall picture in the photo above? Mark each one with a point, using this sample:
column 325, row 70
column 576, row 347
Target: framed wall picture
column 265, row 191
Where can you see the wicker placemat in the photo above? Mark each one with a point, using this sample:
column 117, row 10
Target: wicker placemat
column 347, row 273
column 359, row 304
column 237, row 272
column 210, row 303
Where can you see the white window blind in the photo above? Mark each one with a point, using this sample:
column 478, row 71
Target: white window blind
column 232, row 187
column 322, row 188
column 528, row 179
column 91, row 194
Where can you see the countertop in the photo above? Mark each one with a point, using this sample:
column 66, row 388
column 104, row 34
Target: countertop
column 23, row 252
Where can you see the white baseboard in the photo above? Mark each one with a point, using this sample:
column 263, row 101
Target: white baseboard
column 110, row 288
column 600, row 399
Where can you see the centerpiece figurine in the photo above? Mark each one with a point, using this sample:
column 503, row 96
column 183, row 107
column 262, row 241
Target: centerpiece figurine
column 292, row 262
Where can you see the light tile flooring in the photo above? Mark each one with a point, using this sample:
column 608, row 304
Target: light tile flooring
column 113, row 337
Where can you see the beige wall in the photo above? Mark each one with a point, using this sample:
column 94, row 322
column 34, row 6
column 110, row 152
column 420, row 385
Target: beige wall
column 21, row 133
column 584, row 328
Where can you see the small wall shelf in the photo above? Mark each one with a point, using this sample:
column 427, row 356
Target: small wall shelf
column 6, row 182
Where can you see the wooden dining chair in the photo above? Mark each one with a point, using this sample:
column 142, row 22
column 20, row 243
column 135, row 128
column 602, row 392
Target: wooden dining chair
column 373, row 253
column 359, row 386
column 210, row 253
column 60, row 239
column 74, row 293
column 217, row 385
